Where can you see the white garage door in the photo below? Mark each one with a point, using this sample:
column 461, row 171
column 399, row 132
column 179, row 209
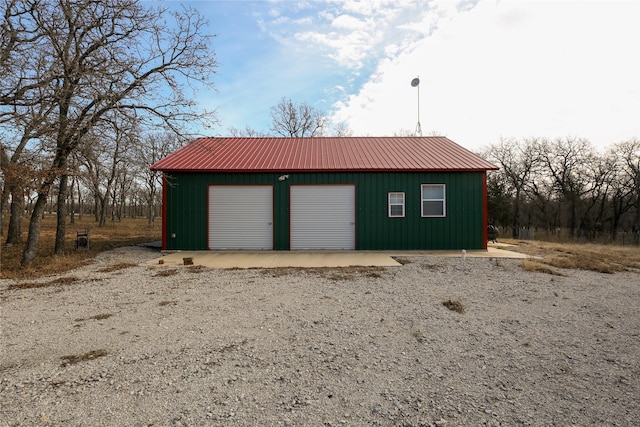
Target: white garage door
column 240, row 217
column 323, row 217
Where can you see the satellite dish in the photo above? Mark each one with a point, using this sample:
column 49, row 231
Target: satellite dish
column 415, row 82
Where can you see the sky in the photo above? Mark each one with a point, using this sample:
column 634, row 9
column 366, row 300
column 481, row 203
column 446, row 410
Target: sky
column 487, row 69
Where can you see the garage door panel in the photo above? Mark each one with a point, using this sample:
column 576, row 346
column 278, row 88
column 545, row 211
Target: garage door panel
column 240, row 217
column 322, row 217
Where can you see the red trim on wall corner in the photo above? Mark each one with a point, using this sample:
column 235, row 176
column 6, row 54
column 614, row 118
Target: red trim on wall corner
column 164, row 212
column 485, row 210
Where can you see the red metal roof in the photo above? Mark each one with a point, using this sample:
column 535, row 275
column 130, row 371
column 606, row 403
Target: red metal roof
column 322, row 155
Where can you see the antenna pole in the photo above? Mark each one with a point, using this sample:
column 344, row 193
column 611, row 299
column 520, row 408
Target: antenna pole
column 416, row 83
column 418, row 127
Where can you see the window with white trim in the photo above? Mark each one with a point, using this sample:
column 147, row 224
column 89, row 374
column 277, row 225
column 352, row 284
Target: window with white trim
column 396, row 205
column 433, row 200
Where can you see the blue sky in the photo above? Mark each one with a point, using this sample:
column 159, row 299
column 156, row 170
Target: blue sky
column 488, row 69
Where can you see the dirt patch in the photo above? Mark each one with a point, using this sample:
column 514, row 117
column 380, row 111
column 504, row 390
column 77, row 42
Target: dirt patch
column 454, row 305
column 166, row 273
column 33, row 285
column 164, row 303
column 116, row 267
column 73, row 359
column 102, row 316
column 331, row 273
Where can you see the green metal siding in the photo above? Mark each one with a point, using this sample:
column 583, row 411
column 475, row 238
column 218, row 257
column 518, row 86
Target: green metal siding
column 462, row 228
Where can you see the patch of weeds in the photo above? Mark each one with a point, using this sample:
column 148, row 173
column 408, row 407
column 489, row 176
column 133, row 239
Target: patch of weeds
column 538, row 267
column 73, row 359
column 166, row 273
column 454, row 305
column 419, row 336
column 401, row 261
column 32, row 285
column 163, row 303
column 116, row 267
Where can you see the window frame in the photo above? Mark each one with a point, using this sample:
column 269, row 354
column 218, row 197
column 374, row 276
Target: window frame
column 403, row 204
column 443, row 200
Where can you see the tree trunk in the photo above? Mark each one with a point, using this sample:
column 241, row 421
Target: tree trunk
column 101, row 210
column 14, row 232
column 72, row 204
column 61, row 226
column 80, row 206
column 515, row 231
column 33, row 238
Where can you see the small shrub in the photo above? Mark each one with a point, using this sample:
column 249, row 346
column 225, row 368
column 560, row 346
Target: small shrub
column 538, row 267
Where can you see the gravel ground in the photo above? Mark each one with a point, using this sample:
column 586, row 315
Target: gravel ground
column 116, row 345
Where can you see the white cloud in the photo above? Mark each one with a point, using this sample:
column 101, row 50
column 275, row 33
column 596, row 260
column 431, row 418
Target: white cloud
column 353, row 32
column 509, row 68
column 347, row 22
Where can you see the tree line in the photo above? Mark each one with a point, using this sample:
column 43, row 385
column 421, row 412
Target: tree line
column 92, row 93
column 562, row 184
column 86, row 87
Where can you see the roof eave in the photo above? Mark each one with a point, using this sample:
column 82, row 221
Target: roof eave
column 170, row 170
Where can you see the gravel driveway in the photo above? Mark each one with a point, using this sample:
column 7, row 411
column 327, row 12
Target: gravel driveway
column 119, row 343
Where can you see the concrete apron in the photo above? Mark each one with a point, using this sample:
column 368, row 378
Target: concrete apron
column 273, row 259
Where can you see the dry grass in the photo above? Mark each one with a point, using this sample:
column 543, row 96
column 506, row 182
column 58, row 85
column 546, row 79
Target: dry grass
column 601, row 258
column 115, row 234
column 535, row 266
column 60, row 281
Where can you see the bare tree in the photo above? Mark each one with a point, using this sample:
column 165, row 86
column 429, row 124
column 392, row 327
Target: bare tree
column 108, row 57
column 104, row 156
column 150, row 149
column 291, row 120
column 341, row 129
column 565, row 161
column 627, row 183
column 247, row 132
column 517, row 161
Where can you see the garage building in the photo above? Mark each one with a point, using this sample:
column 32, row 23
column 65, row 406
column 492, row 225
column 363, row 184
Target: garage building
column 338, row 193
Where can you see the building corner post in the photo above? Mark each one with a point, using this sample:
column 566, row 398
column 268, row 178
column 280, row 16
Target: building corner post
column 485, row 211
column 164, row 211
